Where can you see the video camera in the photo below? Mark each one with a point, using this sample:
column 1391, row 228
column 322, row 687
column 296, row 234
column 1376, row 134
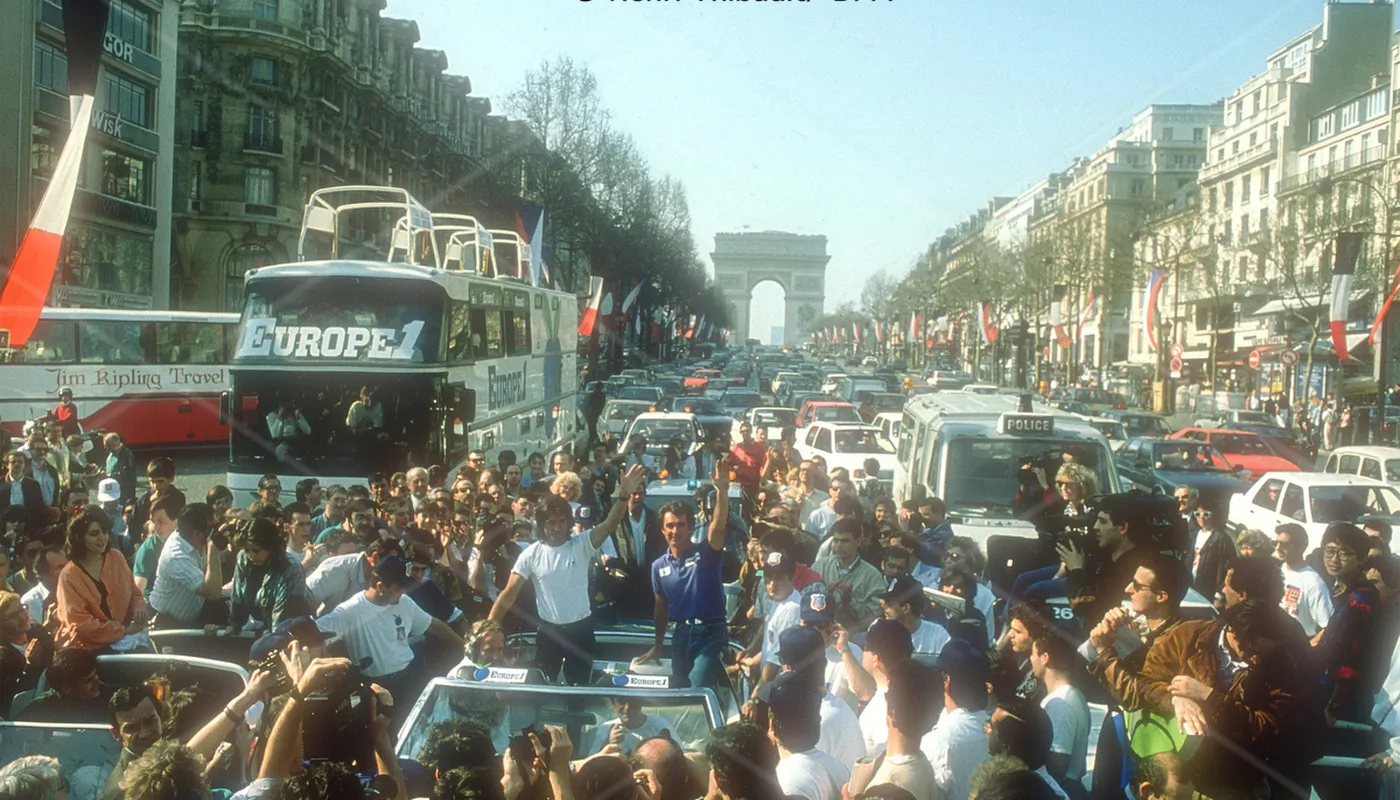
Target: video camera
column 339, row 723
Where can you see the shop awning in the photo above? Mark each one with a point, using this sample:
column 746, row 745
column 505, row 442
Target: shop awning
column 1239, row 357
column 1308, row 301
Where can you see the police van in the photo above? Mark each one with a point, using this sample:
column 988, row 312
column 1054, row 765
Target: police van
column 985, row 455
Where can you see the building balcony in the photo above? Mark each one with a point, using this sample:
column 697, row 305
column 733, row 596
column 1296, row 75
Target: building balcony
column 1267, row 149
column 1370, row 157
column 235, row 22
column 260, row 143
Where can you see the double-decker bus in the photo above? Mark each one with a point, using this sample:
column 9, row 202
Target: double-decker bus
column 456, row 360
column 155, row 377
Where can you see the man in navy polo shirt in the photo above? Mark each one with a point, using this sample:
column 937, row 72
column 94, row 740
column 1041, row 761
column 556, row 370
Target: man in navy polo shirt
column 688, row 585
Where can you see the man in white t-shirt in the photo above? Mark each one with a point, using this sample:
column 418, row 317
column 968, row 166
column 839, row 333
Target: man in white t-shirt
column 1305, row 594
column 378, row 624
column 904, row 603
column 794, row 706
column 886, row 644
column 802, row 650
column 778, row 571
column 819, row 614
column 958, row 741
column 911, row 711
column 557, row 567
column 1051, row 659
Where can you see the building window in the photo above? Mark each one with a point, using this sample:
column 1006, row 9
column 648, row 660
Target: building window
column 261, row 133
column 1244, row 231
column 1229, row 234
column 260, row 187
column 265, row 9
column 1229, row 195
column 1351, row 115
column 43, row 153
column 50, row 67
column 1377, row 105
column 264, row 71
column 196, row 176
column 1253, row 139
column 127, row 100
column 1210, row 199
column 1324, row 126
column 1198, row 134
column 1264, row 182
column 1244, row 188
column 1166, row 134
column 130, row 24
column 1225, row 267
column 1258, row 100
column 1263, row 220
column 1137, row 186
column 96, row 257
column 125, row 178
column 1235, row 147
column 243, row 258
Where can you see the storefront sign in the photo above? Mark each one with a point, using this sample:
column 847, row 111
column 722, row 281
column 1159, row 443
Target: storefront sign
column 262, row 338
column 118, row 48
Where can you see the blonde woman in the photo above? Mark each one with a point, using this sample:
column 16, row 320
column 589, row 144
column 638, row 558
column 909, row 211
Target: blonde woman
column 1074, row 484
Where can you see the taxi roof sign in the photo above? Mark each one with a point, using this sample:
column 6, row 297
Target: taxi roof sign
column 1025, row 422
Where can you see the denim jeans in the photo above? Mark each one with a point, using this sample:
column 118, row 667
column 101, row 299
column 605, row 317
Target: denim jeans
column 1037, row 584
column 695, row 653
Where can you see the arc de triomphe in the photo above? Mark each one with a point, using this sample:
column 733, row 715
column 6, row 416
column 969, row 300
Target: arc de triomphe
column 795, row 262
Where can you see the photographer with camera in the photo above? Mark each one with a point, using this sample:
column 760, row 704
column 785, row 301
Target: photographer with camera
column 1094, row 580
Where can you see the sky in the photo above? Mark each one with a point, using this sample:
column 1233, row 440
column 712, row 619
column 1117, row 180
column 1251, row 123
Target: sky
column 877, row 123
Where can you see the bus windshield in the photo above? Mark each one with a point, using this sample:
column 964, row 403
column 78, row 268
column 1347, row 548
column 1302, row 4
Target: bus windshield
column 341, row 319
column 993, row 477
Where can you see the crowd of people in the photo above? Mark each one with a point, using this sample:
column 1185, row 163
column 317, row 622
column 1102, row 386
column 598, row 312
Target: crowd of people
column 878, row 659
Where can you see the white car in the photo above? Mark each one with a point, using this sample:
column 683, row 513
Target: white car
column 771, row 417
column 659, row 426
column 618, row 414
column 1381, row 463
column 981, row 388
column 888, row 423
column 848, row 444
column 830, row 381
column 1313, row 500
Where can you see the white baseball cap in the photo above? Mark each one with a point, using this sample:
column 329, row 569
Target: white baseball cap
column 108, row 490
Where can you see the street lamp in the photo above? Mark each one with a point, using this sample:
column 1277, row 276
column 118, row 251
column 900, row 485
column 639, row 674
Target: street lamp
column 1324, row 186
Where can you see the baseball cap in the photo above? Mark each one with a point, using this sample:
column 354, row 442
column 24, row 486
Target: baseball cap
column 792, row 695
column 905, row 589
column 889, row 640
column 802, row 649
column 392, row 570
column 108, row 490
column 777, row 565
column 960, row 659
column 818, row 608
column 300, row 629
column 583, row 516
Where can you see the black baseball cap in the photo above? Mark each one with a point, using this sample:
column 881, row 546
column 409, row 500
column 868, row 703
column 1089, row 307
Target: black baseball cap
column 392, row 570
column 777, row 565
column 960, row 658
column 817, row 608
column 792, row 695
column 802, row 649
column 906, row 589
column 298, row 629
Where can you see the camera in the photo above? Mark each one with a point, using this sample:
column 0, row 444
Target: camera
column 338, row 723
column 523, row 751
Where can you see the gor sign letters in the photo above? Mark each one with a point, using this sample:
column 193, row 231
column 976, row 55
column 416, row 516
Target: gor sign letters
column 263, row 338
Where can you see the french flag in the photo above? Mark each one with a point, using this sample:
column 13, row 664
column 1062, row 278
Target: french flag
column 1088, row 312
column 31, row 274
column 1057, row 319
column 1149, row 305
column 984, row 318
column 589, row 321
column 1345, row 252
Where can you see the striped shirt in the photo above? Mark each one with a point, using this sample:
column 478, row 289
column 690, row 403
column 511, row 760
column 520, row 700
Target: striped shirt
column 179, row 574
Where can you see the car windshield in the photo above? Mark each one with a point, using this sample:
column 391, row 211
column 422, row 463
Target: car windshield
column 639, row 393
column 1189, row 456
column 659, row 431
column 624, row 410
column 1237, row 445
column 1349, row 503
column 836, row 414
column 1392, row 470
column 861, row 441
column 1145, row 425
column 696, row 405
column 771, row 416
column 584, row 712
column 86, row 752
column 742, row 400
column 992, row 477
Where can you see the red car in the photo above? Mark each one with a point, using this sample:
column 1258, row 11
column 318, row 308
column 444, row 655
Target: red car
column 826, row 411
column 1249, row 451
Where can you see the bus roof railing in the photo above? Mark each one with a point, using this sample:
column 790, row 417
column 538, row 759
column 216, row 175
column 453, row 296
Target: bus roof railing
column 325, row 207
column 522, row 251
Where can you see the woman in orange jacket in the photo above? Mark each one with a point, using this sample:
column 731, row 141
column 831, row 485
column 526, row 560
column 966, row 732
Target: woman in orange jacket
column 98, row 603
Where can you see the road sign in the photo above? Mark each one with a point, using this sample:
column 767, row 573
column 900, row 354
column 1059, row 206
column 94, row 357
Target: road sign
column 1288, row 357
column 1175, row 367
column 1254, row 358
column 1177, row 350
